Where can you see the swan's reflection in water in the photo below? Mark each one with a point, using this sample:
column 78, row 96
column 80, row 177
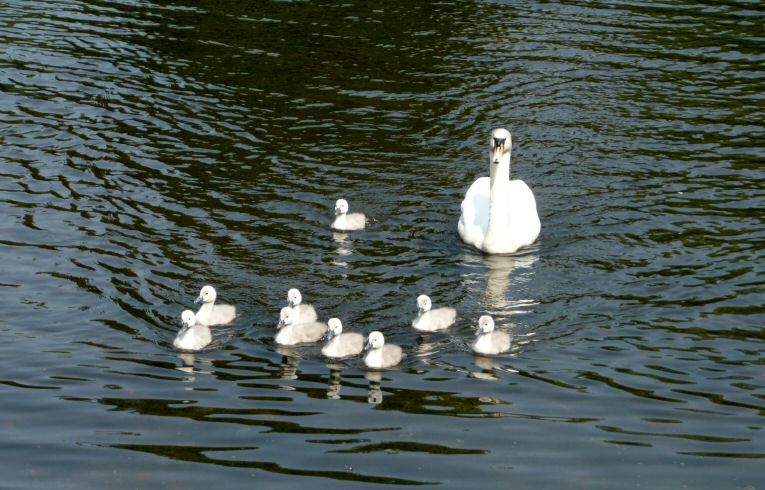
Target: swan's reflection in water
column 288, row 365
column 424, row 346
column 188, row 361
column 488, row 367
column 375, row 396
column 502, row 271
column 334, row 386
column 344, row 247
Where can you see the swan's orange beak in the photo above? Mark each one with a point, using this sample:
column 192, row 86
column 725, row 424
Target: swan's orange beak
column 499, row 150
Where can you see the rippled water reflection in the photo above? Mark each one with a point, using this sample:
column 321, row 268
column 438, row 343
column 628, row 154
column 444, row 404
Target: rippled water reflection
column 151, row 147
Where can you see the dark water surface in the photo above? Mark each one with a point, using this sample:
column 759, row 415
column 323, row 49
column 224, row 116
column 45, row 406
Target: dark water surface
column 148, row 148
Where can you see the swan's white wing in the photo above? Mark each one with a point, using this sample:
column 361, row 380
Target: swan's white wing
column 442, row 317
column 310, row 332
column 356, row 221
column 391, row 355
column 344, row 345
column 474, row 221
column 305, row 313
column 222, row 314
column 522, row 214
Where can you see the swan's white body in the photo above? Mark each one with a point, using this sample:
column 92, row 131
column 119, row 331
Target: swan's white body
column 489, row 341
column 430, row 320
column 291, row 333
column 301, row 313
column 211, row 314
column 342, row 344
column 381, row 355
column 345, row 221
column 193, row 336
column 499, row 215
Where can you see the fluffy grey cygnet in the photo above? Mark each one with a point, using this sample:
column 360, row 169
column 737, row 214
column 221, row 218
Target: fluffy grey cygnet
column 347, row 222
column 429, row 320
column 193, row 336
column 341, row 344
column 302, row 313
column 381, row 355
column 291, row 333
column 490, row 341
column 211, row 314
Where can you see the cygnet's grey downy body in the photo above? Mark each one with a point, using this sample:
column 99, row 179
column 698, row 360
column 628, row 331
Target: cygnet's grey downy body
column 429, row 320
column 345, row 221
column 291, row 333
column 489, row 341
column 342, row 344
column 193, row 336
column 381, row 355
column 211, row 314
column 302, row 313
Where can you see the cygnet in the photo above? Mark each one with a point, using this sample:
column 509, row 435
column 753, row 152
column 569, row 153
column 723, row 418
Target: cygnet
column 211, row 314
column 490, row 341
column 193, row 336
column 341, row 344
column 429, row 320
column 291, row 333
column 302, row 313
column 381, row 355
column 347, row 222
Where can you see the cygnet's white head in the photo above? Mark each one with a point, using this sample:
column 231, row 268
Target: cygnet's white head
column 501, row 143
column 206, row 295
column 341, row 206
column 485, row 325
column 423, row 303
column 335, row 327
column 188, row 319
column 294, row 297
column 285, row 317
column 375, row 340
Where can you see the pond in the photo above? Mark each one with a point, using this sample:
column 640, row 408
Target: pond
column 152, row 147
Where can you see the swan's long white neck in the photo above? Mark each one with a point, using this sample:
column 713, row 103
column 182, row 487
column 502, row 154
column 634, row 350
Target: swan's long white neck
column 205, row 310
column 499, row 175
column 483, row 342
column 374, row 356
column 341, row 220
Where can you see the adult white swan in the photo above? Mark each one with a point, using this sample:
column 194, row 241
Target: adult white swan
column 499, row 215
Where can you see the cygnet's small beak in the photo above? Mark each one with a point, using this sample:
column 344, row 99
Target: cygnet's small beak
column 199, row 299
column 367, row 346
column 280, row 324
column 337, row 211
column 478, row 332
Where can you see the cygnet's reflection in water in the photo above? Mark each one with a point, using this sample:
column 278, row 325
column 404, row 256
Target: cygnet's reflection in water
column 426, row 345
column 488, row 368
column 188, row 361
column 334, row 386
column 375, row 396
column 502, row 271
column 289, row 364
column 343, row 249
